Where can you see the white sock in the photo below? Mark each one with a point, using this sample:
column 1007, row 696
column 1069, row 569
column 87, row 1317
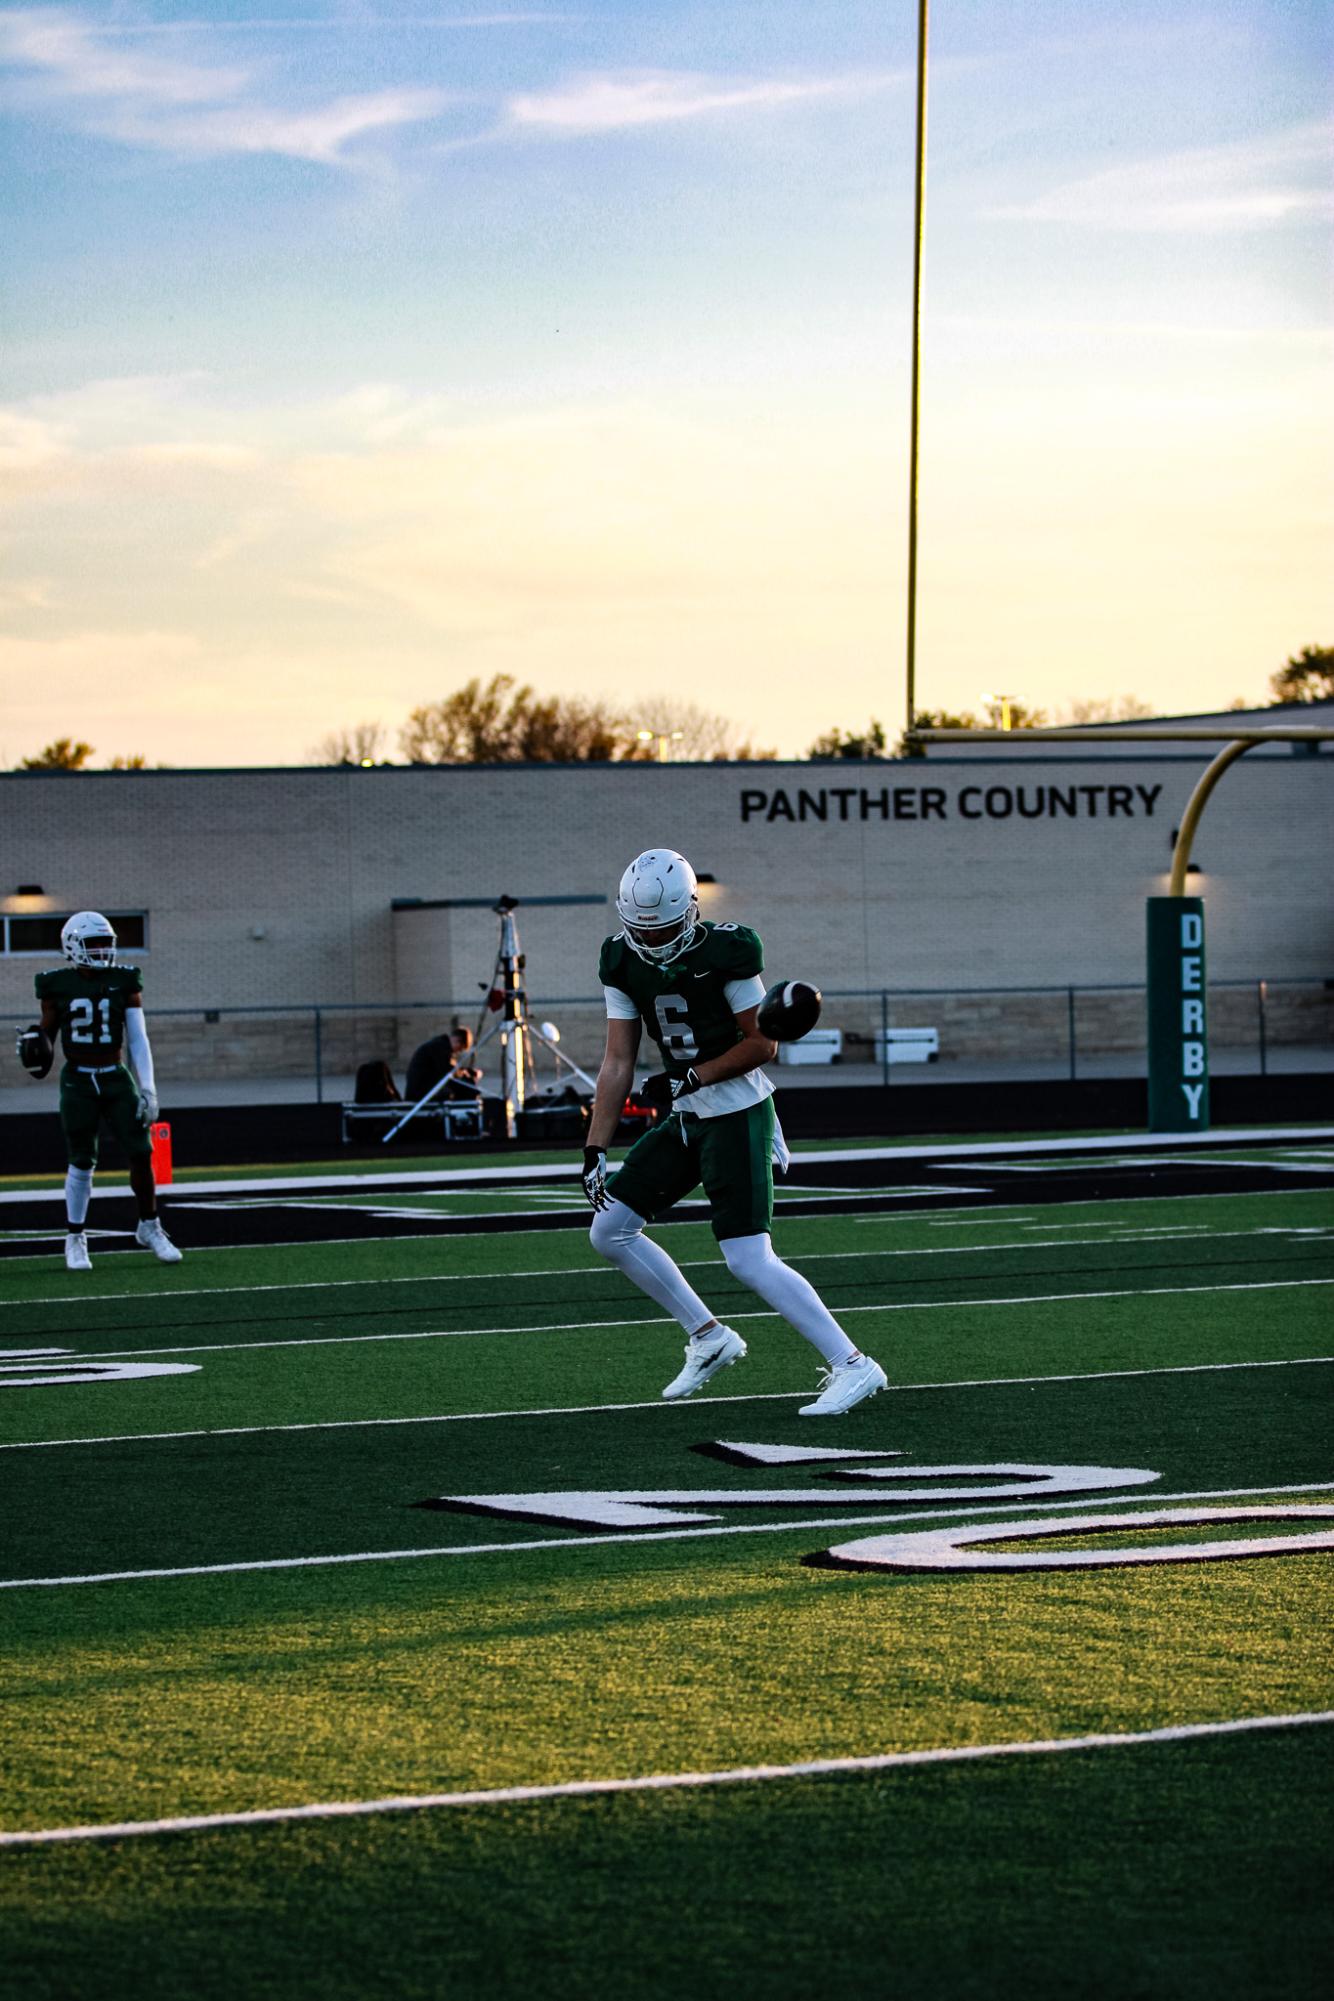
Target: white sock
column 752, row 1260
column 617, row 1233
column 78, row 1194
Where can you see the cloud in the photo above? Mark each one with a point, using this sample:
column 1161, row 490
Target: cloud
column 1257, row 184
column 27, row 443
column 80, row 61
column 375, row 24
column 612, row 101
column 137, row 98
column 319, row 135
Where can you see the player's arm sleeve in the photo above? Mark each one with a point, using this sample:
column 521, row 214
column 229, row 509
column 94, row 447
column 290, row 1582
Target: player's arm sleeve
column 141, row 1056
column 620, row 1007
column 742, row 994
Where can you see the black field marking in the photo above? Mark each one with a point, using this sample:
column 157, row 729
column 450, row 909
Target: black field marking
column 965, row 1183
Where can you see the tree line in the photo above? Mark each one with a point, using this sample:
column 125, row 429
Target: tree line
column 505, row 722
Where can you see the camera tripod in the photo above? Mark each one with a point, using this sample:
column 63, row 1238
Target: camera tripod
column 507, row 1001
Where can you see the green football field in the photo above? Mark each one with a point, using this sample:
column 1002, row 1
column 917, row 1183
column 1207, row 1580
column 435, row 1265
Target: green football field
column 370, row 1626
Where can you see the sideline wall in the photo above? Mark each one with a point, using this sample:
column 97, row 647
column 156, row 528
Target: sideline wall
column 278, row 887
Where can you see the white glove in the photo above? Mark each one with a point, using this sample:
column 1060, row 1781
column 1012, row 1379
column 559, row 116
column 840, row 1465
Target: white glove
column 148, row 1106
column 595, row 1177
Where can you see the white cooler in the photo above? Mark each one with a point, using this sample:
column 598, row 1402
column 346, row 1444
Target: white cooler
column 907, row 1045
column 821, row 1045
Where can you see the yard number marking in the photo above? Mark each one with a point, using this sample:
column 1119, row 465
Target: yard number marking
column 52, row 1368
column 956, row 1548
column 651, row 1507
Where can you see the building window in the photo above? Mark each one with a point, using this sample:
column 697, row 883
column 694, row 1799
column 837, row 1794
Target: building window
column 39, row 937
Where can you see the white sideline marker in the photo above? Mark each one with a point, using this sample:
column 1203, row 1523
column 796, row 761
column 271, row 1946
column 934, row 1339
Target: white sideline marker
column 813, row 1768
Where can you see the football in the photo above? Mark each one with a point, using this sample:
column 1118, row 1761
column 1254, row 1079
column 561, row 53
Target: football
column 34, row 1051
column 789, row 1010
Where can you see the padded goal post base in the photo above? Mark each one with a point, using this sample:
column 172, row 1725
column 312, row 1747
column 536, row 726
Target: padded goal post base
column 1178, row 1010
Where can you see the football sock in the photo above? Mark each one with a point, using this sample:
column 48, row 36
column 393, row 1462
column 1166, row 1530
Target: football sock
column 752, row 1260
column 78, row 1194
column 617, row 1233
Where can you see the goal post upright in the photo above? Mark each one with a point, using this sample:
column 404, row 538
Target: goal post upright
column 1176, row 987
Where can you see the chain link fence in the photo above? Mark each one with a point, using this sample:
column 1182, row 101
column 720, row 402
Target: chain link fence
column 982, row 1035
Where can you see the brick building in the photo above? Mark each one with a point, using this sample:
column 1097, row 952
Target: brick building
column 975, row 870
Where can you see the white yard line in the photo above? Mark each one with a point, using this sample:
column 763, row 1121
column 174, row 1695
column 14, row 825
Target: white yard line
column 645, row 1320
column 686, row 1264
column 653, row 1403
column 952, row 1513
column 954, row 1150
column 811, row 1768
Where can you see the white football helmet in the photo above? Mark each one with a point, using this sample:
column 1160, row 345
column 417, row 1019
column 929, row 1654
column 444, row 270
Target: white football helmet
column 88, row 939
column 658, row 904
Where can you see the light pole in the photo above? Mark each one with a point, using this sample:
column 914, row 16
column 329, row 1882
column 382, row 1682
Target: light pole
column 919, row 233
column 662, row 738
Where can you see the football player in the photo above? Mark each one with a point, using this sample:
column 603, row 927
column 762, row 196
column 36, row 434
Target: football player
column 93, row 1006
column 696, row 987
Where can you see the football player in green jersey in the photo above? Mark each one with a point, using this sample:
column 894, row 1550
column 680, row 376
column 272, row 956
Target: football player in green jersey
column 94, row 1007
column 696, row 987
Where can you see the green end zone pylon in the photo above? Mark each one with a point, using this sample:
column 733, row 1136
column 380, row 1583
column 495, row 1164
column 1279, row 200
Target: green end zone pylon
column 1178, row 1031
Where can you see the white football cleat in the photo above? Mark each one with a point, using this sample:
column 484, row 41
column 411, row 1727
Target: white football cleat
column 846, row 1384
column 76, row 1252
column 705, row 1355
column 154, row 1238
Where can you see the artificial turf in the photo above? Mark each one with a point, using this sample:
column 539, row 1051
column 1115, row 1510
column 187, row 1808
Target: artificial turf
column 1179, row 1336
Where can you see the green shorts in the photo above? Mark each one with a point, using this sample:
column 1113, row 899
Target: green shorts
column 89, row 1096
column 731, row 1155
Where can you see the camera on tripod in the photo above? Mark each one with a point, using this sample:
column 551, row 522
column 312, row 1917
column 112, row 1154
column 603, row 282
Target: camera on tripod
column 507, row 1003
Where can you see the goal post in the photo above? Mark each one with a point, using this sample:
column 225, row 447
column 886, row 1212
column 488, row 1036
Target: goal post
column 1176, row 989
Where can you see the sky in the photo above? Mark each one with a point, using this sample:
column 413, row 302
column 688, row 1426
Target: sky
column 348, row 352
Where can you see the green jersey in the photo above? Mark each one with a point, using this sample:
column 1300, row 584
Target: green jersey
column 91, row 1004
column 690, row 1006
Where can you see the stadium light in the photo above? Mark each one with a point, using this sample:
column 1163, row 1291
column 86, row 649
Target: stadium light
column 662, row 738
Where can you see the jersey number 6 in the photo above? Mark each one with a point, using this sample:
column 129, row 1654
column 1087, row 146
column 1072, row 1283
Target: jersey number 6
column 677, row 1036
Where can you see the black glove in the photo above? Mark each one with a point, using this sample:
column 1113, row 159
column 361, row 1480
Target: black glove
column 595, row 1177
column 34, row 1050
column 683, row 1086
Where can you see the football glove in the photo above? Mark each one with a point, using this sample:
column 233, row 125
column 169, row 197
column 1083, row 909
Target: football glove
column 595, row 1177
column 683, row 1086
column 34, row 1050
column 147, row 1107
